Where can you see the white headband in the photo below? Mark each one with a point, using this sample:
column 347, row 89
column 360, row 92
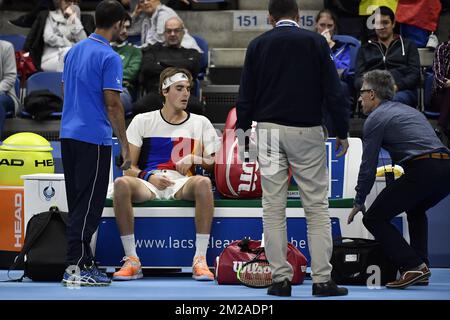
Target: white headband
column 175, row 78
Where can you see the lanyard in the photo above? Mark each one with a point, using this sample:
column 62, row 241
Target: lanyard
column 287, row 23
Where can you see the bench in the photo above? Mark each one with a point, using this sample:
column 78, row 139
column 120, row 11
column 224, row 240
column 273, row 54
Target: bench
column 165, row 232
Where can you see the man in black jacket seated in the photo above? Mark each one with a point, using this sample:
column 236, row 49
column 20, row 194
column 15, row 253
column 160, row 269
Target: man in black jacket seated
column 156, row 58
column 391, row 52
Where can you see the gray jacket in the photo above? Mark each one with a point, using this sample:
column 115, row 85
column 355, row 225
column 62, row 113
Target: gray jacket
column 8, row 71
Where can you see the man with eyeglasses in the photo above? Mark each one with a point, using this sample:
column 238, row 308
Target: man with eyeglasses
column 412, row 143
column 389, row 51
column 153, row 24
column 159, row 56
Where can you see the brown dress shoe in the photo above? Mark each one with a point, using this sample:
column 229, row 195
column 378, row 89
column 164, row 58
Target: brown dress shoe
column 422, row 283
column 409, row 278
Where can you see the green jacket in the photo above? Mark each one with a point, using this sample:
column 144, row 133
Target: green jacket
column 131, row 61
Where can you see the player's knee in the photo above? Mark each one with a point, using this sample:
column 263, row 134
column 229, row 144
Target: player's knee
column 121, row 186
column 202, row 186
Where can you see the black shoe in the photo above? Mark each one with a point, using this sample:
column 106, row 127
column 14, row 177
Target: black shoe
column 325, row 289
column 282, row 289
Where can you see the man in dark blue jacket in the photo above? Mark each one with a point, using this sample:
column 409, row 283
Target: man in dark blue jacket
column 391, row 52
column 288, row 77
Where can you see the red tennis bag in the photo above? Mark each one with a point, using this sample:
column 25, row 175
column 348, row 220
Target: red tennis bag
column 235, row 177
column 231, row 258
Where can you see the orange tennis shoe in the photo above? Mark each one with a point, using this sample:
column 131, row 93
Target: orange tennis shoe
column 200, row 270
column 130, row 270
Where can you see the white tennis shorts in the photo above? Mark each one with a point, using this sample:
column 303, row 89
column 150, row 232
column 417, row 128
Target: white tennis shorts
column 177, row 178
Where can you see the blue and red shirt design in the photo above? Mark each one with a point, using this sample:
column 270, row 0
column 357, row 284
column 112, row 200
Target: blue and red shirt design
column 163, row 144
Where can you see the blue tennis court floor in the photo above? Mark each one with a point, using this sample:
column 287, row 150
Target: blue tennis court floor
column 182, row 287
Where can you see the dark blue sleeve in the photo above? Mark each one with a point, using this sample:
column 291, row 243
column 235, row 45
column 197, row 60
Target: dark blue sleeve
column 246, row 98
column 333, row 94
column 372, row 139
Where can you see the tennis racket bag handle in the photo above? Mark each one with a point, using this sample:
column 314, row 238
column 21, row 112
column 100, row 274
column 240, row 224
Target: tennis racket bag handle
column 228, row 262
column 235, row 177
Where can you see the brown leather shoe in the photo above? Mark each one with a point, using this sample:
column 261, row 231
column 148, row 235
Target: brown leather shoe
column 409, row 278
column 422, row 283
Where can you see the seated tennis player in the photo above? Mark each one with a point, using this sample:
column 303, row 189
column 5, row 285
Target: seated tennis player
column 165, row 146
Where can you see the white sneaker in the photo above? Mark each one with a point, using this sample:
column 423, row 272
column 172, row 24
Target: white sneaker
column 432, row 41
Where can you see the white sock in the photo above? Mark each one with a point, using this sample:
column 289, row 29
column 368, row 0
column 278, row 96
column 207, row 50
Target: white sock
column 201, row 244
column 129, row 245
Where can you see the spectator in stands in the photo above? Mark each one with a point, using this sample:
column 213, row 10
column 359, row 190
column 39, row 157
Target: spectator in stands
column 137, row 21
column 153, row 24
column 62, row 30
column 131, row 60
column 391, row 52
column 441, row 89
column 411, row 143
column 326, row 23
column 54, row 32
column 288, row 75
column 92, row 111
column 27, row 20
column 165, row 146
column 8, row 75
column 159, row 56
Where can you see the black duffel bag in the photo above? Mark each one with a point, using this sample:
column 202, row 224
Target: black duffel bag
column 352, row 258
column 44, row 251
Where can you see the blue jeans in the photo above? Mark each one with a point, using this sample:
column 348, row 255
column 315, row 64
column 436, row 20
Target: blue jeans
column 408, row 97
column 127, row 101
column 6, row 104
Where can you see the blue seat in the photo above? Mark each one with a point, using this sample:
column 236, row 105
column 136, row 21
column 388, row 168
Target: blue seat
column 17, row 40
column 44, row 81
column 204, row 61
column 354, row 47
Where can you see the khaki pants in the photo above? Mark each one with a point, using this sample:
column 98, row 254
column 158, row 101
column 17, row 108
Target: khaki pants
column 303, row 149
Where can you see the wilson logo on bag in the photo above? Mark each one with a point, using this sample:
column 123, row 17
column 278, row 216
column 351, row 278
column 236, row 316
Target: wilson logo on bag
column 236, row 177
column 234, row 256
